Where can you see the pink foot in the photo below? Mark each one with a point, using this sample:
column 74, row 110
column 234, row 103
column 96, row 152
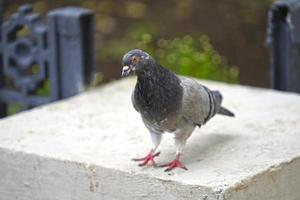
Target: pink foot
column 174, row 164
column 149, row 158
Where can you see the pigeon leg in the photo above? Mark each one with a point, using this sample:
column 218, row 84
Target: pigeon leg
column 181, row 137
column 176, row 163
column 156, row 138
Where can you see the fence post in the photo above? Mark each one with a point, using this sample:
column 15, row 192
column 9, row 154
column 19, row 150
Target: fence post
column 3, row 106
column 283, row 40
column 71, row 48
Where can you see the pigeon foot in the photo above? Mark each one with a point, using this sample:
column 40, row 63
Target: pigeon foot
column 148, row 158
column 174, row 164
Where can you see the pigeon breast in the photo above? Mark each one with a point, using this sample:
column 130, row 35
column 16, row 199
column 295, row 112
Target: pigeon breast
column 158, row 97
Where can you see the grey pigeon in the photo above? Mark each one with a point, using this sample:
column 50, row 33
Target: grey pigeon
column 169, row 103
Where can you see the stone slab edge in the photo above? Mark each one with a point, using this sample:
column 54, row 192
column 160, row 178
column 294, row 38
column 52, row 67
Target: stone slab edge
column 277, row 182
column 29, row 176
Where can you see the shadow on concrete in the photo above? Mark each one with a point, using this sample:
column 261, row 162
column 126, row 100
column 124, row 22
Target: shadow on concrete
column 206, row 145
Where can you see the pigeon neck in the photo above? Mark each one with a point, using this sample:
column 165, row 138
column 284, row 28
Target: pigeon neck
column 154, row 76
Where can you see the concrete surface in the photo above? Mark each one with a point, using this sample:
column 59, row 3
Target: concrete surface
column 81, row 148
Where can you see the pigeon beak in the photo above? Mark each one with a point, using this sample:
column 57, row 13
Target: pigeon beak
column 126, row 71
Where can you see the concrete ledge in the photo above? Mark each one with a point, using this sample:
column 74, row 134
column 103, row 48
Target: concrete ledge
column 81, row 148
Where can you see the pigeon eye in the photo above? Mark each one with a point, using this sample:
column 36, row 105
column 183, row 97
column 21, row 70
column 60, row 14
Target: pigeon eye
column 134, row 59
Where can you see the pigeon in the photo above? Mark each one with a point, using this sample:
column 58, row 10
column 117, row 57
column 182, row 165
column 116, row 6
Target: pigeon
column 169, row 103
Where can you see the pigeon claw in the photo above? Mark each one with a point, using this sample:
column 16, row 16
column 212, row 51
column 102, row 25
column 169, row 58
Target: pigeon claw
column 148, row 158
column 174, row 164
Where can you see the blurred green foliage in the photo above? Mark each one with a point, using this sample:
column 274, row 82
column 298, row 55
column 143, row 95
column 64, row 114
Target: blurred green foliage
column 185, row 53
column 44, row 89
column 190, row 55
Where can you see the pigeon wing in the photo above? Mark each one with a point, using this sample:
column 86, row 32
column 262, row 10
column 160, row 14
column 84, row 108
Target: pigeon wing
column 197, row 102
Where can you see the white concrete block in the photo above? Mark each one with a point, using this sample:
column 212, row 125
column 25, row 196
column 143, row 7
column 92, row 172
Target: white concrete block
column 81, row 148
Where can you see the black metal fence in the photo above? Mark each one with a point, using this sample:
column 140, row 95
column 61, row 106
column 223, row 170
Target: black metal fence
column 283, row 40
column 57, row 55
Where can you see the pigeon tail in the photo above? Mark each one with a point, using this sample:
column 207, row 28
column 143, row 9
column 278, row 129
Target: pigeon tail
column 225, row 111
column 221, row 110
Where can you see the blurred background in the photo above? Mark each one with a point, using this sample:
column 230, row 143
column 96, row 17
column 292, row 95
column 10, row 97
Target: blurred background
column 221, row 40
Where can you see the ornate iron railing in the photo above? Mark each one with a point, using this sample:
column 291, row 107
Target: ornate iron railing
column 57, row 56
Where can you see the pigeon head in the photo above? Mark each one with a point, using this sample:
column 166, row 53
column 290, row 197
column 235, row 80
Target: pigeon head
column 134, row 62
